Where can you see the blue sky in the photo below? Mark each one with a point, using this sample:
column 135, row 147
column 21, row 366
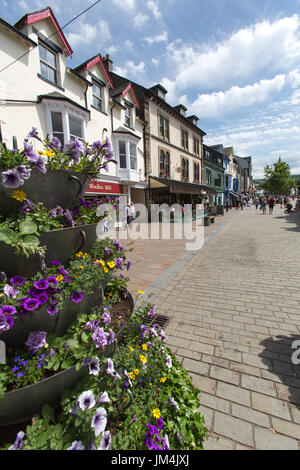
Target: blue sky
column 233, row 63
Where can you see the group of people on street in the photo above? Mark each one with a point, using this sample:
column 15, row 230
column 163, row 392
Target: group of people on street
column 264, row 203
column 130, row 215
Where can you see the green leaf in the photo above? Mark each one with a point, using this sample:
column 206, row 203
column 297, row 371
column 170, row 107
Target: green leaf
column 27, row 227
column 6, row 235
column 84, row 337
column 31, row 240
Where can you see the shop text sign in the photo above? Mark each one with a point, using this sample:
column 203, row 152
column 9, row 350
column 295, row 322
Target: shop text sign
column 101, row 187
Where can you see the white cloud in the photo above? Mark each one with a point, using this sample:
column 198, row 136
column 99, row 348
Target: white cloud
column 223, row 103
column 124, row 4
column 88, row 33
column 128, row 43
column 111, row 49
column 250, row 53
column 153, row 6
column 163, row 37
column 140, row 20
column 23, row 4
column 130, row 69
column 155, row 61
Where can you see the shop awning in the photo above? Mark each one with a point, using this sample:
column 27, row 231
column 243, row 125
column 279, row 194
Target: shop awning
column 175, row 186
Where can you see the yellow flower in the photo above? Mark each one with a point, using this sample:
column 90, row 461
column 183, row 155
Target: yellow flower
column 130, row 348
column 145, row 347
column 40, row 152
column 105, row 270
column 81, row 267
column 163, row 379
column 111, row 264
column 59, row 278
column 143, row 359
column 156, row 413
column 140, row 292
column 131, row 375
column 150, row 384
column 136, row 371
column 79, row 254
column 19, row 195
column 49, row 153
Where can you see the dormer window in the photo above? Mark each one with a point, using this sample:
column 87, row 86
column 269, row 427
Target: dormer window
column 128, row 116
column 48, row 64
column 98, row 97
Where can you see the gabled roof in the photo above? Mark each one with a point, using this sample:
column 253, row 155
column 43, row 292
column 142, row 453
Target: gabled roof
column 36, row 16
column 123, row 90
column 17, row 32
column 90, row 63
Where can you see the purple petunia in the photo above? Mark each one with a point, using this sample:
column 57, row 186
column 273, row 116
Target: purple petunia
column 10, row 291
column 8, row 310
column 106, row 441
column 151, row 313
column 173, row 403
column 74, row 149
column 19, row 443
column 76, row 297
column 169, row 361
column 86, row 400
column 55, row 143
column 33, row 133
column 28, row 206
column 36, row 340
column 97, row 145
column 17, row 280
column 41, row 284
column 159, row 423
column 76, row 445
column 52, row 310
column 31, row 304
column 106, row 316
column 92, row 325
column 110, row 369
column 110, row 337
column 40, row 165
column 99, row 337
column 56, row 263
column 118, row 245
column 30, row 153
column 42, row 297
column 11, row 179
column 94, row 367
column 6, row 323
column 52, row 280
column 99, row 421
column 104, row 398
column 119, row 262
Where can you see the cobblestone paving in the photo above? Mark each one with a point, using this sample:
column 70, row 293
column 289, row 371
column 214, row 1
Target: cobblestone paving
column 235, row 311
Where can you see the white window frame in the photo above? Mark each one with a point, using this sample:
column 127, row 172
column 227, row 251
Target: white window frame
column 128, row 141
column 65, row 109
column 101, row 98
column 56, row 68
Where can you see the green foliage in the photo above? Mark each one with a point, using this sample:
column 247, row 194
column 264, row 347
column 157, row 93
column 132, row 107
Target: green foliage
column 21, row 235
column 278, row 180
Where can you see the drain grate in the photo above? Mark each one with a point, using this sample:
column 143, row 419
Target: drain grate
column 160, row 320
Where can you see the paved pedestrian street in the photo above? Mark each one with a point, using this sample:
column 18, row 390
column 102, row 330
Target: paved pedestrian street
column 234, row 310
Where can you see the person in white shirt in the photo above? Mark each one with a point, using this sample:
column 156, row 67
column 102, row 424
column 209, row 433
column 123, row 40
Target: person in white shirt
column 127, row 216
column 132, row 213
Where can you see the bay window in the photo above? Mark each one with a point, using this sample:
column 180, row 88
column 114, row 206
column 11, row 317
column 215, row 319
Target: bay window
column 127, row 155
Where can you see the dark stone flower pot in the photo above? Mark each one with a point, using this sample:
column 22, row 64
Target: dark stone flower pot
column 60, row 245
column 22, row 404
column 52, row 188
column 40, row 320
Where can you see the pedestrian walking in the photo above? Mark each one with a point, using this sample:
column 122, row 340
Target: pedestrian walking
column 132, row 213
column 127, row 216
column 264, row 206
column 106, row 225
column 256, row 202
column 271, row 203
column 249, row 204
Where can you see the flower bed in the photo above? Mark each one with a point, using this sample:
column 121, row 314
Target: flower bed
column 143, row 400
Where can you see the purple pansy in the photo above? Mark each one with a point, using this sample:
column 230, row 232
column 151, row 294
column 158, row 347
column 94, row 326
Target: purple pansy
column 52, row 310
column 159, row 423
column 74, row 149
column 55, row 143
column 99, row 421
column 36, row 340
column 24, row 172
column 110, row 337
column 151, row 313
column 128, row 265
column 119, row 262
column 28, row 206
column 169, row 361
column 33, row 133
column 173, row 403
column 40, row 165
column 10, row 291
column 106, row 316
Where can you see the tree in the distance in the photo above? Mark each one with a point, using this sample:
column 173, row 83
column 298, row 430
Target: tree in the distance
column 278, row 180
